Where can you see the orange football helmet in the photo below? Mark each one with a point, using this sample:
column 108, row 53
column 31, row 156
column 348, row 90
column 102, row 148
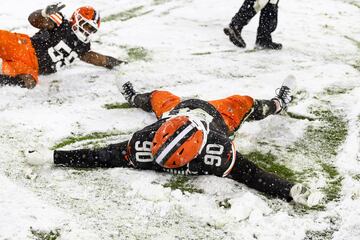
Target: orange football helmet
column 178, row 141
column 85, row 21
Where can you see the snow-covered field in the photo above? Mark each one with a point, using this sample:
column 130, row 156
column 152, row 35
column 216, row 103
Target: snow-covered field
column 179, row 45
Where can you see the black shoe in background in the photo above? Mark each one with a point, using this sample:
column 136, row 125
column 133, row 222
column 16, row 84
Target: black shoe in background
column 268, row 44
column 234, row 34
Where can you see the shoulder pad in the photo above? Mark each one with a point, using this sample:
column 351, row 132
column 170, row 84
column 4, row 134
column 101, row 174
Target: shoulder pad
column 140, row 145
column 218, row 155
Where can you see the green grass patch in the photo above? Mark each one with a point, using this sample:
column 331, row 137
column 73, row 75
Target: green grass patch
column 333, row 188
column 127, row 14
column 182, row 183
column 333, row 134
column 356, row 65
column 299, row 116
column 303, row 210
column 325, row 234
column 354, row 3
column 208, row 53
column 158, row 2
column 269, row 163
column 201, row 53
column 320, row 235
column 330, row 170
column 240, row 76
column 356, row 177
column 336, row 90
column 44, row 235
column 78, row 138
column 356, row 42
column 252, row 50
column 320, row 143
column 117, row 105
column 138, row 53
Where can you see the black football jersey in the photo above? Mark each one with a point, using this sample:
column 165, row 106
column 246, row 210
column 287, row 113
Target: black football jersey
column 216, row 157
column 58, row 47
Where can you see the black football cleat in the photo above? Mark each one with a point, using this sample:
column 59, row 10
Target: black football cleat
column 128, row 92
column 284, row 94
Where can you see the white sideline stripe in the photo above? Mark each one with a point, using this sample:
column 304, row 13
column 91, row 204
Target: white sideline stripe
column 173, row 143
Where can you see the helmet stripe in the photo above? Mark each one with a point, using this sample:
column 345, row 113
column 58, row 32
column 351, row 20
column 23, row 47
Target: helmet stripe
column 96, row 16
column 169, row 147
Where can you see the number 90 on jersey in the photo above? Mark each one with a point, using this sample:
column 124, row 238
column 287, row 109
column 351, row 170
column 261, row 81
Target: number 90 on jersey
column 143, row 151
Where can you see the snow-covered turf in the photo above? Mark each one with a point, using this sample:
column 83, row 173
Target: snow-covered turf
column 179, row 45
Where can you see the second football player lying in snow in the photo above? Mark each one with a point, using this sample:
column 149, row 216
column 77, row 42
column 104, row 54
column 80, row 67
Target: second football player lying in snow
column 192, row 137
column 57, row 44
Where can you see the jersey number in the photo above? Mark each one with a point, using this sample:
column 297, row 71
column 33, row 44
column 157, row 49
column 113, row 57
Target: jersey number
column 62, row 55
column 213, row 154
column 143, row 152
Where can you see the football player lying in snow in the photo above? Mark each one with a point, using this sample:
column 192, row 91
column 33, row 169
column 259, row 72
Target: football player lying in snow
column 58, row 43
column 192, row 137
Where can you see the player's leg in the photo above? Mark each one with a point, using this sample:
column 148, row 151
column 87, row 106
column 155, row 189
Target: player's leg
column 246, row 12
column 156, row 101
column 236, row 109
column 110, row 156
column 264, row 108
column 163, row 101
column 9, row 44
column 20, row 66
column 233, row 110
column 267, row 24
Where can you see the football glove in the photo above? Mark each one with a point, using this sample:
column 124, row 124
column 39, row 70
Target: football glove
column 51, row 9
column 302, row 195
column 112, row 62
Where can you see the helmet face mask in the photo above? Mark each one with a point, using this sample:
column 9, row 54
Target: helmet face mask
column 178, row 141
column 85, row 23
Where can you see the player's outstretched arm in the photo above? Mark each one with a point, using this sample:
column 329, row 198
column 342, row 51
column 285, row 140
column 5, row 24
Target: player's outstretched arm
column 101, row 60
column 157, row 101
column 114, row 155
column 47, row 18
column 247, row 172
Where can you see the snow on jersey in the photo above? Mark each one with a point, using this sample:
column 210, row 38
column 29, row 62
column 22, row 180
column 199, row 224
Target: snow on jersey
column 58, row 47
